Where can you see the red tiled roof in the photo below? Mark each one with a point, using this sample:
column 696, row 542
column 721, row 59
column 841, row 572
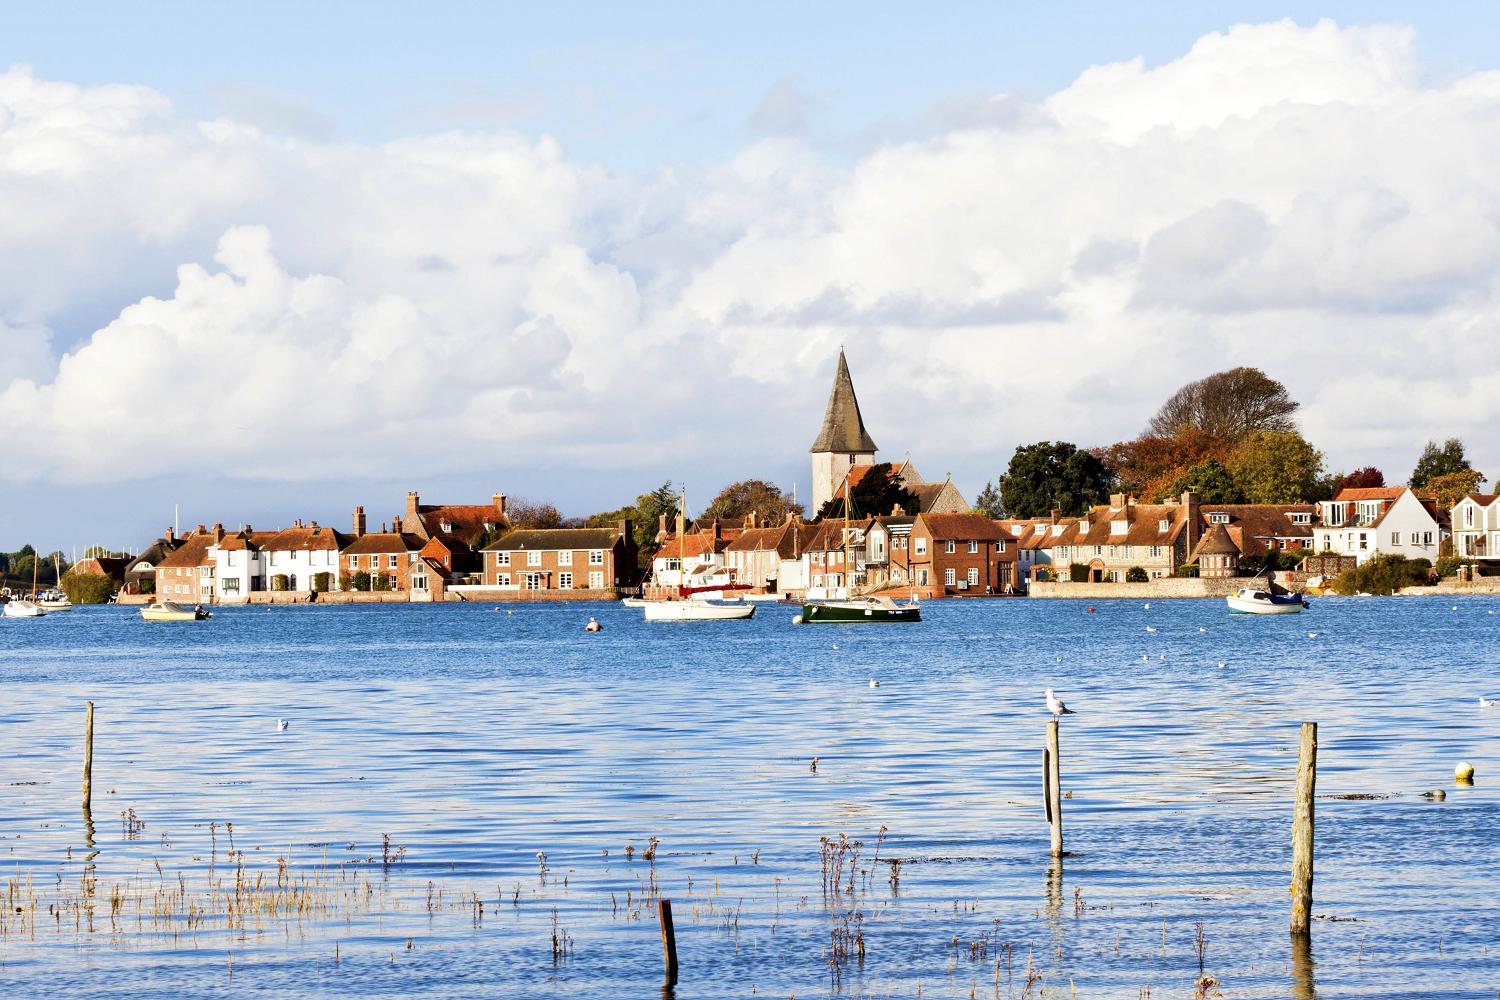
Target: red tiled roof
column 1370, row 493
column 304, row 539
column 192, row 552
column 465, row 521
column 963, row 527
column 383, row 542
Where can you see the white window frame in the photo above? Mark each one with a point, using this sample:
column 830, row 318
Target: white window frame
column 973, row 546
column 534, row 557
column 973, row 576
column 393, row 562
column 919, row 546
column 565, row 581
column 950, row 577
column 596, row 580
column 596, row 557
column 502, row 558
column 565, row 557
column 502, row 579
column 950, row 546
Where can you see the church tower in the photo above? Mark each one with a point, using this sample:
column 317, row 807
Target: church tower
column 842, row 442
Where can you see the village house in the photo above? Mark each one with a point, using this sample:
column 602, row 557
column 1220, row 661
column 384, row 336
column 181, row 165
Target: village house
column 1033, row 555
column 563, row 559
column 834, row 556
column 457, row 528
column 961, row 553
column 140, row 572
column 696, row 560
column 888, row 551
column 756, row 554
column 1111, row 539
column 386, row 557
column 304, row 557
column 1377, row 521
column 186, row 576
column 240, row 562
column 1476, row 527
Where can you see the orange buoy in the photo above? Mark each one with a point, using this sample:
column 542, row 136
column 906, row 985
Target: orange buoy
column 1091, row 610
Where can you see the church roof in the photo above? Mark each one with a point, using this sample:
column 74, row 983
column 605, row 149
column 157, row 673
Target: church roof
column 843, row 427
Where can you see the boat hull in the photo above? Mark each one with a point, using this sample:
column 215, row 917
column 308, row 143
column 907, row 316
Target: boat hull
column 1243, row 605
column 172, row 613
column 857, row 613
column 24, row 609
column 695, row 611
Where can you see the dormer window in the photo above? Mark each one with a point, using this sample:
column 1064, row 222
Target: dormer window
column 447, row 527
column 1218, row 517
column 1301, row 518
column 1118, row 527
column 1163, row 525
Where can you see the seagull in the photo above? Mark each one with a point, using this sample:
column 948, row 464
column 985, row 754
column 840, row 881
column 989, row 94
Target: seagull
column 1056, row 707
column 281, row 725
column 1146, row 606
column 1145, row 657
column 874, row 683
column 1221, row 664
column 1486, row 702
column 1312, row 635
column 1162, row 656
column 1150, row 628
column 1202, row 629
column 814, row 765
column 835, row 645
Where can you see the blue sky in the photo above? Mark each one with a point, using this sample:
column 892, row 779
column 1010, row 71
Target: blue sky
column 268, row 261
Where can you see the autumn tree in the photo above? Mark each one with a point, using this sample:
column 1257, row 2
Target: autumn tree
column 1047, row 474
column 1438, row 460
column 1209, row 479
column 523, row 513
column 767, row 501
column 1451, row 487
column 878, row 492
column 1229, row 405
column 1368, row 478
column 1276, row 467
column 1146, row 465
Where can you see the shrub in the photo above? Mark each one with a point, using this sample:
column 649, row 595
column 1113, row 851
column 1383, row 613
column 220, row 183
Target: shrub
column 279, row 582
column 88, row 588
column 1136, row 574
column 1043, row 575
column 1078, row 573
column 1448, row 565
column 148, row 585
column 322, row 582
column 380, row 582
column 1383, row 575
column 1187, row 569
column 346, row 582
column 361, row 580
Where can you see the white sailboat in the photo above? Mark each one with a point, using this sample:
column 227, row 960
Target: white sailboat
column 688, row 607
column 24, row 607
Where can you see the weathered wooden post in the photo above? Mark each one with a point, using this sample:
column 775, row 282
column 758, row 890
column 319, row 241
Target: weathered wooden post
column 1302, row 829
column 88, row 757
column 668, row 939
column 1052, row 787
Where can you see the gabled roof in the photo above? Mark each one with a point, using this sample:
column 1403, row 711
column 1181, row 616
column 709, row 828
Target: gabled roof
column 555, row 539
column 192, row 552
column 780, row 539
column 1482, row 499
column 465, row 521
column 383, row 543
column 693, row 545
column 843, row 427
column 1369, row 493
column 305, row 538
column 1216, row 543
column 963, row 527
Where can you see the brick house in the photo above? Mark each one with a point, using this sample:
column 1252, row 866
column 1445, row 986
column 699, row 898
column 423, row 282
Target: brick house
column 460, row 527
column 593, row 559
column 755, row 555
column 391, row 553
column 186, row 576
column 140, row 573
column 961, row 553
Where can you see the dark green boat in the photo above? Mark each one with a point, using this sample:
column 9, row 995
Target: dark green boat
column 860, row 609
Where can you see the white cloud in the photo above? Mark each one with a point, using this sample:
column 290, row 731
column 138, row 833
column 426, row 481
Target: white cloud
column 1299, row 199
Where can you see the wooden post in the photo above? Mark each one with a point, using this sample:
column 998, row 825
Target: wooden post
column 1302, row 829
column 88, row 757
column 1054, row 789
column 668, row 939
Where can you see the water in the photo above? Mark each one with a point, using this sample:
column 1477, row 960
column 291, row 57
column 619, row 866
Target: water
column 477, row 738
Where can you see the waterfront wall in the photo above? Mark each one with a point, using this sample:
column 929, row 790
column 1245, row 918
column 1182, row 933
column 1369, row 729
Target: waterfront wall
column 1171, row 586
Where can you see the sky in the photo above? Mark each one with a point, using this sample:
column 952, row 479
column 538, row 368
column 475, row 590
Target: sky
column 261, row 262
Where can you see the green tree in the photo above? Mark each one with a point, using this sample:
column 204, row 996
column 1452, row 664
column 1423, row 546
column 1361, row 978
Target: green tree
column 1228, row 405
column 523, row 513
column 645, row 515
column 87, row 588
column 1136, row 574
column 1209, row 479
column 1451, row 487
column 361, row 581
column 1276, row 467
column 988, row 502
column 1383, row 574
column 1046, row 475
column 877, row 492
column 1438, row 460
column 767, row 501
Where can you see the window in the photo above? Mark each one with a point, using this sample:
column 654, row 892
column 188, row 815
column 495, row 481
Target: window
column 1000, row 546
column 204, row 570
column 973, row 577
column 1098, row 550
column 1395, row 538
column 392, row 562
column 922, row 577
column 447, row 527
column 919, row 546
column 596, row 557
column 1162, row 525
column 565, row 581
column 949, row 577
column 354, row 562
column 565, row 557
column 232, row 585
column 1364, row 540
column 1156, row 552
column 534, row 558
column 502, row 558
column 230, row 558
column 973, row 545
column 533, row 581
column 1218, row 517
column 596, row 580
column 502, row 579
column 949, row 547
column 1469, row 516
column 1426, row 538
column 1302, row 518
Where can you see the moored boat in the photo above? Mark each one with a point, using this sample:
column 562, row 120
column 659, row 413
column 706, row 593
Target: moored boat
column 1250, row 601
column 54, row 600
column 166, row 611
column 693, row 609
column 20, row 607
column 859, row 609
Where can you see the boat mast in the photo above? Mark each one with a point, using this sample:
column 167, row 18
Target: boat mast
column 848, row 565
column 33, row 573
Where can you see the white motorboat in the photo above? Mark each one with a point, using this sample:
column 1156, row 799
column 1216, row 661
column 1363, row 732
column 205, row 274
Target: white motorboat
column 54, row 600
column 634, row 602
column 166, row 611
column 692, row 609
column 1250, row 601
column 22, row 608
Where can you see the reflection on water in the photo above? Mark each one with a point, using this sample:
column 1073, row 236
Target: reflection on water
column 474, row 740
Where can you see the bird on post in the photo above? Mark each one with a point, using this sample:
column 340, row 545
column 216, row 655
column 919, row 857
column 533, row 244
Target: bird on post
column 1056, row 707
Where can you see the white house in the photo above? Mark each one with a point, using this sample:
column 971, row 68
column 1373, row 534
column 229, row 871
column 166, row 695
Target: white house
column 307, row 556
column 1476, row 527
column 239, row 563
column 1378, row 521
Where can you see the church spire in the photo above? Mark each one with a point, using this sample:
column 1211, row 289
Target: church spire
column 843, row 427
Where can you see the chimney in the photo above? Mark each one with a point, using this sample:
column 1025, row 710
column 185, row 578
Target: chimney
column 412, row 500
column 1117, row 500
column 499, row 501
column 661, row 526
column 1053, row 516
column 626, row 529
column 359, row 522
column 1190, row 504
column 383, row 528
column 248, row 530
column 170, row 535
column 218, row 533
column 716, row 529
column 202, row 530
column 313, row 525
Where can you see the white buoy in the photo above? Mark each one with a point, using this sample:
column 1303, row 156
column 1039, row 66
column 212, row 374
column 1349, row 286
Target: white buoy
column 796, row 619
column 1312, row 635
column 1464, row 773
column 281, row 725
column 593, row 626
column 1146, row 606
column 835, row 645
column 1202, row 629
column 1145, row 657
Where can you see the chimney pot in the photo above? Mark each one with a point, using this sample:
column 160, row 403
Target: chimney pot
column 171, row 535
column 202, row 529
column 359, row 521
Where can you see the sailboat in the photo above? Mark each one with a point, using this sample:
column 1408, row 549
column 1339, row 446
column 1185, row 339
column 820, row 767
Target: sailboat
column 688, row 606
column 853, row 609
column 26, row 607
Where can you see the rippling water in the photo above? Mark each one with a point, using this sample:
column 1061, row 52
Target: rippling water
column 476, row 738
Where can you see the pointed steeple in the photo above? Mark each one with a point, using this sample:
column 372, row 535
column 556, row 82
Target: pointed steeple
column 843, row 427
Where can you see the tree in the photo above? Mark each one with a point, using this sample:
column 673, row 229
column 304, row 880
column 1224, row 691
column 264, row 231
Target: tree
column 1143, row 466
column 1276, row 467
column 1438, row 460
column 1136, row 574
column 1368, row 478
column 1228, row 405
column 645, row 515
column 1209, row 479
column 361, row 581
column 988, row 503
column 523, row 513
column 1046, row 475
column 765, row 500
column 1451, row 487
column 877, row 492
column 87, row 588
